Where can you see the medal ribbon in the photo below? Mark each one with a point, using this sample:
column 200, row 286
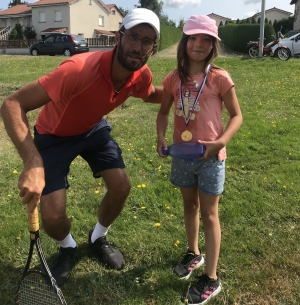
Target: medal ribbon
column 187, row 120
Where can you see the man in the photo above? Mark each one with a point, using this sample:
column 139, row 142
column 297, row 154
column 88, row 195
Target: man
column 75, row 97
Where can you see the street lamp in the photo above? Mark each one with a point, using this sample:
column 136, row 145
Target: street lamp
column 262, row 27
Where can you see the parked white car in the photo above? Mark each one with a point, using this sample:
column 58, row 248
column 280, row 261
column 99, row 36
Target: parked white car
column 293, row 43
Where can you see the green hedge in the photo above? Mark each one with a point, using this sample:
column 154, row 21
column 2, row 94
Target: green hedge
column 169, row 35
column 236, row 36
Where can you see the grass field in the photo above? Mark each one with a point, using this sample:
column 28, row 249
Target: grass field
column 259, row 209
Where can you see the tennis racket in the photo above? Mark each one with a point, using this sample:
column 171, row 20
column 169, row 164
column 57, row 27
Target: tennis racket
column 37, row 287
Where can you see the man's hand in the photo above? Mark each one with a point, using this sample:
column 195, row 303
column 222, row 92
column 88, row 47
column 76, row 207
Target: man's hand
column 31, row 184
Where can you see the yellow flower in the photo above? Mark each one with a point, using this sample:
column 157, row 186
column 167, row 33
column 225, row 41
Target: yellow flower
column 157, row 224
column 18, row 238
column 143, row 185
column 97, row 192
column 15, row 171
column 143, row 207
column 139, row 185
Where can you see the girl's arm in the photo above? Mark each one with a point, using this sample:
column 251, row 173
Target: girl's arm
column 162, row 121
column 235, row 120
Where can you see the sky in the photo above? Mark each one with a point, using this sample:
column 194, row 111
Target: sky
column 183, row 9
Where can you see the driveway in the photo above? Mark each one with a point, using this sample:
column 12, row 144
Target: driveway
column 172, row 52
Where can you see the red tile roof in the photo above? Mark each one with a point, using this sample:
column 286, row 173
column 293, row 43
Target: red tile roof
column 55, row 30
column 43, row 2
column 17, row 9
column 104, row 32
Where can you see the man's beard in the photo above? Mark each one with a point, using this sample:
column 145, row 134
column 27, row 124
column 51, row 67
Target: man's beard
column 130, row 65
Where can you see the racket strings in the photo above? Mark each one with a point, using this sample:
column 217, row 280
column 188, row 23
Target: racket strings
column 36, row 290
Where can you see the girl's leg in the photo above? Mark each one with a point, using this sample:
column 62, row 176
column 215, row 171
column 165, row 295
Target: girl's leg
column 191, row 216
column 209, row 208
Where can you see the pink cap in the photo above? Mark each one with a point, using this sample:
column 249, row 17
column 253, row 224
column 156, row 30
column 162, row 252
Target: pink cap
column 201, row 25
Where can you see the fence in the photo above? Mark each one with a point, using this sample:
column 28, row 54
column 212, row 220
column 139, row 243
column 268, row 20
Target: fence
column 92, row 42
column 101, row 41
column 18, row 43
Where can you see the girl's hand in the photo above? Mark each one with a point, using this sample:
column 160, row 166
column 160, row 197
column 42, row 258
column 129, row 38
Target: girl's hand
column 212, row 148
column 161, row 142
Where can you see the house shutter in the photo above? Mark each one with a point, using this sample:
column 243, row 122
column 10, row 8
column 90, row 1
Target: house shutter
column 101, row 20
column 57, row 15
column 42, row 16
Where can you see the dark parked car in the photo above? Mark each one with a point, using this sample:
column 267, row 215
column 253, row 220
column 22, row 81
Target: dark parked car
column 66, row 44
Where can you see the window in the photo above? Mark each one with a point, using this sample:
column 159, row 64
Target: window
column 42, row 17
column 113, row 12
column 101, row 20
column 57, row 15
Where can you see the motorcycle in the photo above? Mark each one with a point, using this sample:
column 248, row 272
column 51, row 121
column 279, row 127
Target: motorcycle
column 281, row 52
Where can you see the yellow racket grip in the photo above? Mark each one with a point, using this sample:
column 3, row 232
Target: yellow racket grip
column 33, row 220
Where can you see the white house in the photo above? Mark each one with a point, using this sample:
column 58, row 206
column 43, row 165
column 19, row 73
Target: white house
column 90, row 18
column 273, row 14
column 218, row 18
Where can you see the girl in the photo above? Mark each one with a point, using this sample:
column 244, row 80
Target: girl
column 199, row 90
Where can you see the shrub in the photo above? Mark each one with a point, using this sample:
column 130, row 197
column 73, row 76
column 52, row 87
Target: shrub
column 29, row 33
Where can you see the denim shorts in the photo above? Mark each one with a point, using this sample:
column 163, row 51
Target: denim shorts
column 96, row 147
column 208, row 175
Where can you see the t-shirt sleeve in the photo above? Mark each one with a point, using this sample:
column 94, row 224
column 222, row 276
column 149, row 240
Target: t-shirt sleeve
column 64, row 81
column 167, row 82
column 224, row 81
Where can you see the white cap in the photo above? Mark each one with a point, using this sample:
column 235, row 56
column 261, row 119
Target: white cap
column 141, row 15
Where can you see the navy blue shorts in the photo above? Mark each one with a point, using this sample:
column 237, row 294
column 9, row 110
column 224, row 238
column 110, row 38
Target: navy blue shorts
column 96, row 147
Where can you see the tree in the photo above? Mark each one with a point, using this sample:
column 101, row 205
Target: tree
column 266, row 20
column 258, row 20
column 237, row 21
column 153, row 5
column 253, row 20
column 181, row 23
column 124, row 11
column 16, row 2
column 221, row 23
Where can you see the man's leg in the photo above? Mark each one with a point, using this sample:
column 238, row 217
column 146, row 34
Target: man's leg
column 57, row 225
column 118, row 188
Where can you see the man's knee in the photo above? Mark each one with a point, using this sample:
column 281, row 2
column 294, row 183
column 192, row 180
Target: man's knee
column 121, row 189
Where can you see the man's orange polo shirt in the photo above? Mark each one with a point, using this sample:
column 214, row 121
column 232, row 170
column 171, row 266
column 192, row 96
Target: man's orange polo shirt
column 81, row 93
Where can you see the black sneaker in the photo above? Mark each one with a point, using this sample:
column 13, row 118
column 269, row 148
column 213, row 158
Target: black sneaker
column 106, row 253
column 189, row 262
column 63, row 264
column 202, row 291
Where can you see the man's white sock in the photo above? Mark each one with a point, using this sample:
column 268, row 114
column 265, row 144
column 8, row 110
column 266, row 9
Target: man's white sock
column 67, row 242
column 99, row 231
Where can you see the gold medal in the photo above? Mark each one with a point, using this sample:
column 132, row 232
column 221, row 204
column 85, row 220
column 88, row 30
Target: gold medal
column 186, row 136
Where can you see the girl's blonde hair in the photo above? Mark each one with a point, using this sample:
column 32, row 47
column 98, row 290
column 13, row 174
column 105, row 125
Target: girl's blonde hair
column 183, row 59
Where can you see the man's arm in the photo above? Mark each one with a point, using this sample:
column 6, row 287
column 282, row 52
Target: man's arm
column 155, row 95
column 13, row 111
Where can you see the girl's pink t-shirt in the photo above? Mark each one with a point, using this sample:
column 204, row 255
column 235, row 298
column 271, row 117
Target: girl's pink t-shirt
column 205, row 113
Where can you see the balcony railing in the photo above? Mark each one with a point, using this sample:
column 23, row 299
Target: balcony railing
column 4, row 33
